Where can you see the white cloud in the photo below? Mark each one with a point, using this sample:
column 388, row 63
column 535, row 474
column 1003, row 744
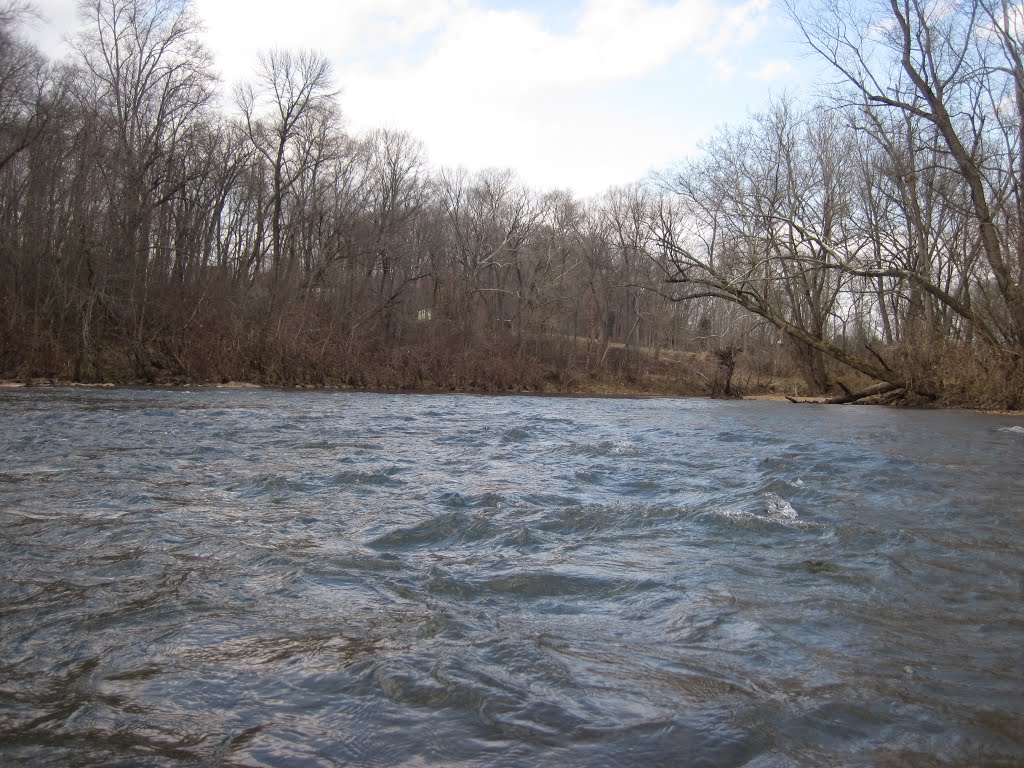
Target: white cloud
column 725, row 69
column 772, row 70
column 740, row 26
column 939, row 9
column 1012, row 20
column 237, row 30
column 60, row 19
column 614, row 40
column 502, row 89
column 487, row 87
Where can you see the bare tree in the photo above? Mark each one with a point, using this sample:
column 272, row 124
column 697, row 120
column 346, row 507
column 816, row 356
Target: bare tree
column 25, row 78
column 396, row 194
column 150, row 79
column 286, row 109
column 490, row 218
column 739, row 225
column 956, row 70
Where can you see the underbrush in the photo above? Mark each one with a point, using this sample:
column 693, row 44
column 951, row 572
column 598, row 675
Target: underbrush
column 297, row 350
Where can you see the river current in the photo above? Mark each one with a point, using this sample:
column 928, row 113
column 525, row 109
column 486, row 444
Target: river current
column 254, row 577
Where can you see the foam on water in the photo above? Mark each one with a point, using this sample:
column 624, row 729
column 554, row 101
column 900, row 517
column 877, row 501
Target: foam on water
column 777, row 508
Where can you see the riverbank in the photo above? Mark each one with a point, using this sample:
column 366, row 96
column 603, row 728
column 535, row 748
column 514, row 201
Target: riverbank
column 601, row 391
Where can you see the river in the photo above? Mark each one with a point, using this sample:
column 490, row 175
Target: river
column 257, row 577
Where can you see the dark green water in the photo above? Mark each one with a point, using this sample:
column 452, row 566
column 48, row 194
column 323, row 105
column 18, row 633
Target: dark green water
column 264, row 578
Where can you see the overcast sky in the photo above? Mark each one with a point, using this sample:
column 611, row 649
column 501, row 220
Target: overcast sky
column 575, row 94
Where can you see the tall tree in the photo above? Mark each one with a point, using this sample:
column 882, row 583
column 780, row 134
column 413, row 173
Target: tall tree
column 24, row 80
column 151, row 79
column 955, row 69
column 287, row 110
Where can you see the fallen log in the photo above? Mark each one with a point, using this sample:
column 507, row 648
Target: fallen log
column 877, row 389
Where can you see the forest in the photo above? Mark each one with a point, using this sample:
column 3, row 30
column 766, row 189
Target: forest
column 157, row 228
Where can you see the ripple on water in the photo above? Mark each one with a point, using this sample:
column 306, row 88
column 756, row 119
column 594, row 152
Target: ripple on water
column 446, row 528
column 311, row 578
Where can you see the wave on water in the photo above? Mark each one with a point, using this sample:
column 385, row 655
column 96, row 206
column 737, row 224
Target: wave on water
column 777, row 508
column 343, row 579
column 770, row 508
column 621, row 448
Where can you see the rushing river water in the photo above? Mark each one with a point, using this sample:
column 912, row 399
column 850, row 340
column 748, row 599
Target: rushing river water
column 272, row 578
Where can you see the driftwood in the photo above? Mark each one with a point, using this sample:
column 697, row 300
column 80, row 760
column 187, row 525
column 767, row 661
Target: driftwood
column 877, row 389
column 852, row 397
column 889, row 387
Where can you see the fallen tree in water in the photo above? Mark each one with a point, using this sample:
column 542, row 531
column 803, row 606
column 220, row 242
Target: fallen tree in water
column 883, row 388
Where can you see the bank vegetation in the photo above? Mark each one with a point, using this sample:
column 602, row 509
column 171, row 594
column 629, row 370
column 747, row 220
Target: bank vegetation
column 158, row 229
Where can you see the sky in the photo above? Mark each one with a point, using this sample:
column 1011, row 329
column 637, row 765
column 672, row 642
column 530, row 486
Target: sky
column 571, row 94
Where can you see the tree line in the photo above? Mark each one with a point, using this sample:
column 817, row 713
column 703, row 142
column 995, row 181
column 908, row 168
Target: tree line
column 159, row 229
